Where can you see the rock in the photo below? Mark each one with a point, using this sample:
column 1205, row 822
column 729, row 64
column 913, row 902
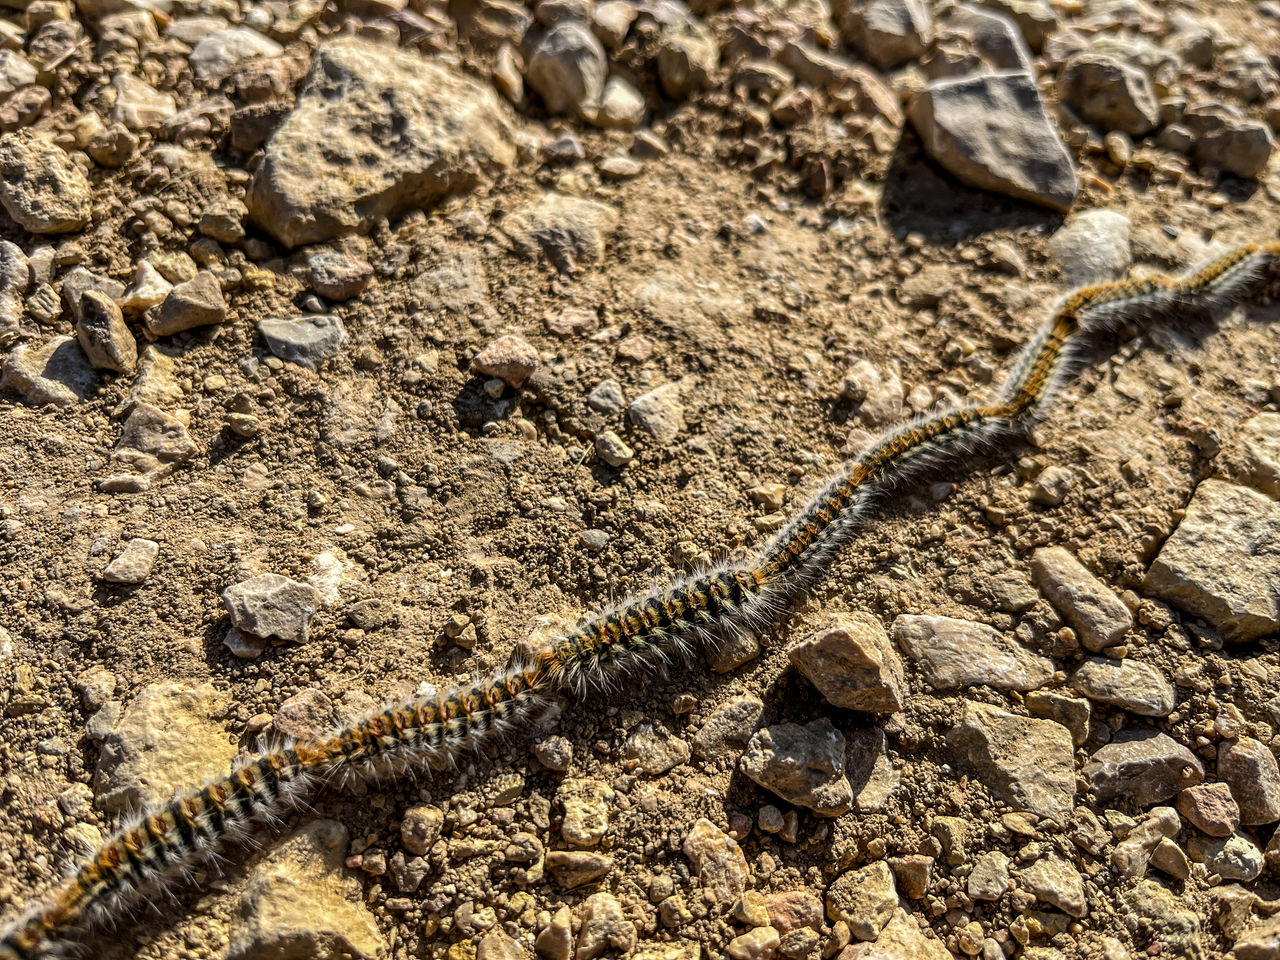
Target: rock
column 1109, row 94
column 1058, row 883
column 554, row 753
column 957, row 653
column 719, row 863
column 15, row 280
column 1137, row 687
column 420, row 828
column 166, row 738
column 612, row 22
column 864, row 899
column 103, row 335
column 971, row 41
column 496, row 945
column 870, row 772
column 989, row 878
column 604, row 927
column 1097, row 615
column 152, row 438
column 510, row 358
column 270, row 605
column 1071, row 712
column 134, row 562
column 40, row 187
column 613, row 449
column 451, row 132
column 586, row 811
column 1220, row 563
column 113, row 147
column 1176, row 927
column 1035, row 18
column 1132, row 854
column 622, row 106
column 221, row 52
column 299, row 902
column 1142, row 766
column 575, row 322
column 659, row 413
column 852, row 663
column 1210, row 808
column 567, row 68
column 1171, row 858
column 338, row 277
column 1232, row 858
column 307, row 340
column 794, row 910
column 901, row 939
column 193, row 303
column 729, row 727
column 759, row 943
column 1253, row 456
column 55, row 373
column 1093, row 248
column 140, row 106
column 888, row 32
column 1029, row 764
column 243, row 645
column 687, row 56
column 802, row 764
column 913, row 873
column 1249, row 769
column 1053, row 485
column 576, row 868
column 77, row 282
column 555, row 940
column 991, row 132
column 1259, row 941
column 148, row 289
column 564, row 229
column 1226, row 141
column 655, row 753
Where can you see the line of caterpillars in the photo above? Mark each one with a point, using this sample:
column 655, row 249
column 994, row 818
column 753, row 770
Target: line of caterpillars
column 164, row 845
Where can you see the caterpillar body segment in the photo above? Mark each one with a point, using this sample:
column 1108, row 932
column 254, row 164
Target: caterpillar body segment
column 166, row 843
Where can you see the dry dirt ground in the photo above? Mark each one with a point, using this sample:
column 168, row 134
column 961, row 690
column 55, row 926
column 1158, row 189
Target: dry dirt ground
column 447, row 506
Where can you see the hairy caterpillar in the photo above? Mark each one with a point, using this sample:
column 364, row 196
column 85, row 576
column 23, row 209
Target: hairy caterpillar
column 166, row 843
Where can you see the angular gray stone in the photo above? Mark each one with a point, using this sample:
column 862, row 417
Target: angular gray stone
column 1142, row 766
column 972, row 40
column 306, row 340
column 888, row 32
column 1249, row 768
column 991, row 132
column 193, row 303
column 729, row 728
column 103, row 335
column 989, row 878
column 659, row 413
column 15, row 280
column 56, row 373
column 567, row 68
column 449, row 133
column 1097, row 615
column 1221, row 563
column 1137, row 687
column 1233, row 858
column 957, row 653
column 564, row 229
column 1058, row 883
column 803, row 765
column 1029, row 764
column 852, row 663
column 152, row 437
column 40, row 187
column 1225, row 140
column 270, row 605
column 337, row 276
column 140, row 106
column 1035, row 18
column 134, row 563
column 1109, row 94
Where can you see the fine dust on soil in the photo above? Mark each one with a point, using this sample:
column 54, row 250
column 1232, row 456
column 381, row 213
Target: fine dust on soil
column 758, row 327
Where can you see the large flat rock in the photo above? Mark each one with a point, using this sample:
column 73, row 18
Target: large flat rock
column 375, row 131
